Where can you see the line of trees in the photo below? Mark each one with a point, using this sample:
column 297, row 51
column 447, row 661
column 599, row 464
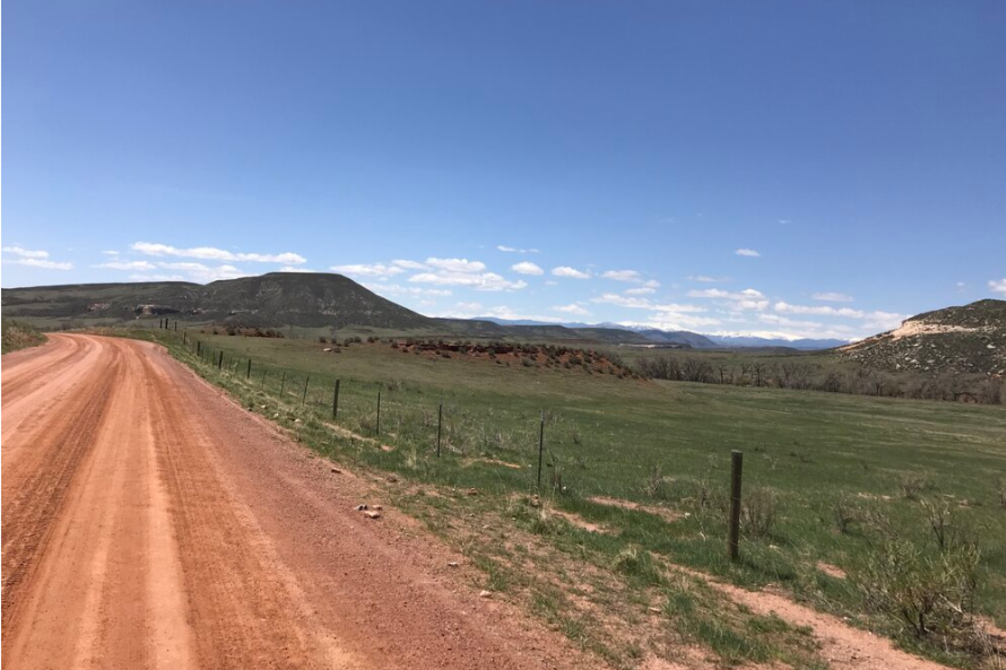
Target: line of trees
column 800, row 375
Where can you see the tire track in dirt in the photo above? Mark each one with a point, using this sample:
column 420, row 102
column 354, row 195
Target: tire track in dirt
column 149, row 522
column 36, row 485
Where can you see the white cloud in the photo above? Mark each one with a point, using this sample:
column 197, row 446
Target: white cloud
column 631, row 276
column 468, row 310
column 623, row 275
column 775, row 319
column 751, row 253
column 157, row 277
column 110, row 252
column 485, row 281
column 368, row 270
column 527, row 268
column 127, row 265
column 514, row 250
column 40, row 263
column 26, row 253
column 830, row 296
column 820, row 310
column 875, row 320
column 570, row 273
column 645, row 303
column 571, row 309
column 748, row 299
column 707, row 279
column 290, row 268
column 642, row 290
column 397, row 290
column 673, row 321
column 409, row 265
column 998, row 285
column 203, row 274
column 214, row 254
column 456, row 264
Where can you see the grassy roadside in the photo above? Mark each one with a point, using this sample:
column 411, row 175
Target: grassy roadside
column 18, row 335
column 663, row 446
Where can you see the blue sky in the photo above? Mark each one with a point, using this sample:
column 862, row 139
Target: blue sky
column 793, row 168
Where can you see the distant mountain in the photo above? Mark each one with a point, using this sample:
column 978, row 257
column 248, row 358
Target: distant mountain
column 744, row 341
column 966, row 339
column 614, row 332
column 683, row 337
column 503, row 329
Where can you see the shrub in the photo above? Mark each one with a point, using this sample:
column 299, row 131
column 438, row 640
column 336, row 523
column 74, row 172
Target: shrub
column 845, row 513
column 656, row 484
column 758, row 512
column 637, row 563
column 926, row 594
column 913, row 485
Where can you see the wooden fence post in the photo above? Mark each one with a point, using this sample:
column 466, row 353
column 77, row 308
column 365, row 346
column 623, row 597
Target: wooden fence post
column 220, row 363
column 335, row 400
column 378, row 412
column 736, row 465
column 248, row 373
column 307, row 380
column 282, row 383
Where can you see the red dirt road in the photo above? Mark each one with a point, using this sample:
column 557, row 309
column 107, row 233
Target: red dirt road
column 149, row 522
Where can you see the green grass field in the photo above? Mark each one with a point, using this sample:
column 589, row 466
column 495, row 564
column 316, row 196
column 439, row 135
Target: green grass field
column 661, row 444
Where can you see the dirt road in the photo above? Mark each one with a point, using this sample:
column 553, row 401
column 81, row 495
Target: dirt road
column 149, row 522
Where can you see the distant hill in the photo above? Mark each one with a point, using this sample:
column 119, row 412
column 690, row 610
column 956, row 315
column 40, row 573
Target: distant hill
column 682, row 337
column 742, row 341
column 966, row 339
column 274, row 300
column 270, row 300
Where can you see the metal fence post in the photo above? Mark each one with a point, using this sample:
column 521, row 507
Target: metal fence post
column 736, row 466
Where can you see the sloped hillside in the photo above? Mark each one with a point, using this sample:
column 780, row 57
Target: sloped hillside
column 966, row 339
column 270, row 300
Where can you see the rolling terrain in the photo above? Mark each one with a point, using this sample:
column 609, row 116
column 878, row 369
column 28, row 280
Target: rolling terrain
column 633, row 482
column 970, row 339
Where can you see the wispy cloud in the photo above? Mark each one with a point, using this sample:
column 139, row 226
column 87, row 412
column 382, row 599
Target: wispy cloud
column 707, row 279
column 368, row 270
column 631, row 276
column 641, row 290
column 26, row 253
column 998, row 285
column 479, row 281
column 569, row 273
column 514, row 250
column 645, row 303
column 751, row 253
column 127, row 265
column 573, row 308
column 830, row 296
column 746, row 300
column 398, row 290
column 527, row 268
column 204, row 274
column 40, row 263
column 214, row 254
column 456, row 265
column 409, row 265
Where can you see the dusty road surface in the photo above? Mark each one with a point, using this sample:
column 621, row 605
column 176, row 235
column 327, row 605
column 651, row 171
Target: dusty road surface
column 149, row 522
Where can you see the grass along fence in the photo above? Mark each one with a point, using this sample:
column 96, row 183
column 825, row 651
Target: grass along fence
column 795, row 516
